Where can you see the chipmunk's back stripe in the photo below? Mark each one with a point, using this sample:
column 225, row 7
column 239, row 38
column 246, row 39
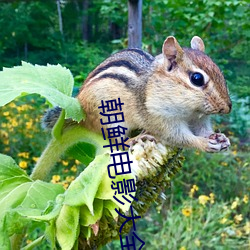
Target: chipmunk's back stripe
column 118, row 63
column 118, row 77
column 142, row 53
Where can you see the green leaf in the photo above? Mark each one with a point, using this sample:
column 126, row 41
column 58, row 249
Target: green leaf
column 86, row 232
column 86, row 218
column 4, row 240
column 14, row 198
column 46, row 216
column 111, row 206
column 53, row 82
column 9, row 168
column 39, row 194
column 67, row 226
column 83, row 189
column 105, row 191
column 50, row 234
column 20, row 198
column 6, row 186
column 83, row 152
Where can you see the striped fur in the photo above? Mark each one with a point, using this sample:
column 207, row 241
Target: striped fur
column 158, row 94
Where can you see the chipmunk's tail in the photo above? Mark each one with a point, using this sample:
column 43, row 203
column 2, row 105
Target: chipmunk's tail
column 50, row 117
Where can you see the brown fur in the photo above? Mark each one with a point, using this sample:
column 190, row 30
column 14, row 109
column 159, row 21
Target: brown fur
column 158, row 95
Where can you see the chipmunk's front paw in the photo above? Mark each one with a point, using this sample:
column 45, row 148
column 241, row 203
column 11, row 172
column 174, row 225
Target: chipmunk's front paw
column 217, row 142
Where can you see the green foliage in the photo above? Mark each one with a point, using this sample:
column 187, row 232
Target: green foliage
column 19, row 198
column 222, row 24
column 53, row 82
column 201, row 223
column 30, row 32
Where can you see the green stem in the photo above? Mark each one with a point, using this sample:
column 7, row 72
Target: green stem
column 57, row 147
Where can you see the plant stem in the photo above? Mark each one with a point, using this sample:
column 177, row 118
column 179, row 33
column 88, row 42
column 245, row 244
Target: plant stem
column 57, row 147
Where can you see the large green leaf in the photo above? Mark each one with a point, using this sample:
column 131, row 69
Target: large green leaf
column 22, row 200
column 82, row 190
column 6, row 186
column 39, row 194
column 9, row 168
column 53, row 82
column 67, row 226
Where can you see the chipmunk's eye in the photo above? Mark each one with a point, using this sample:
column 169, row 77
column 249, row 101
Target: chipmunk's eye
column 197, row 79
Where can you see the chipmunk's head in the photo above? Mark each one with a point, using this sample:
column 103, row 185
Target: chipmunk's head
column 197, row 74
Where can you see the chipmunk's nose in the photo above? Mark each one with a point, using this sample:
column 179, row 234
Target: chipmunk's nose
column 227, row 108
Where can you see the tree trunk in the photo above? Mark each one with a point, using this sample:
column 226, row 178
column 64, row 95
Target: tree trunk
column 85, row 20
column 134, row 23
column 59, row 16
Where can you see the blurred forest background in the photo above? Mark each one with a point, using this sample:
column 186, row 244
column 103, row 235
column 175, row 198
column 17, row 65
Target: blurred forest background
column 208, row 204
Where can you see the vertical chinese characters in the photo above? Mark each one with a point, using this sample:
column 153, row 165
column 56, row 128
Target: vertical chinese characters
column 113, row 117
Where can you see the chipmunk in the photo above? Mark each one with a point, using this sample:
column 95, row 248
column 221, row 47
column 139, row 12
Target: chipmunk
column 170, row 96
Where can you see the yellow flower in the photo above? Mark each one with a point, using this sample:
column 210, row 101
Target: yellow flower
column 187, row 211
column 14, row 123
column 235, row 203
column 203, row 199
column 6, row 113
column 238, row 159
column 35, row 159
column 24, row 154
column 73, row 168
column 23, row 164
column 224, row 164
column 245, row 199
column 182, row 248
column 247, row 227
column 65, row 163
column 29, row 124
column 6, row 149
column 6, row 141
column 70, row 178
column 55, row 178
column 23, row 107
column 238, row 233
column 223, row 220
column 234, row 152
column 223, row 235
column 193, row 190
column 238, row 218
column 77, row 162
column 211, row 195
column 4, row 134
column 197, row 242
column 12, row 105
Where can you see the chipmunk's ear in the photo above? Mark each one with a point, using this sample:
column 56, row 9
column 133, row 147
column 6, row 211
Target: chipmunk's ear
column 197, row 43
column 171, row 49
